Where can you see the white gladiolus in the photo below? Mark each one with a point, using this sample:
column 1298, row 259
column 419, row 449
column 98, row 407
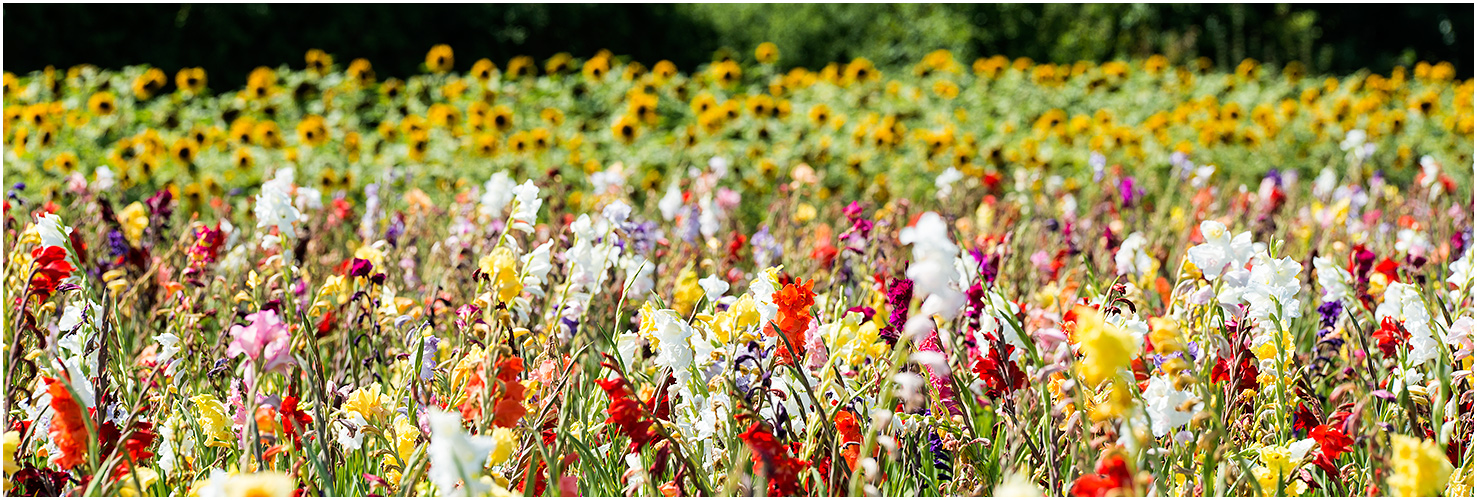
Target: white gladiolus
column 497, row 192
column 526, row 203
column 1334, row 281
column 932, row 271
column 274, row 206
column 1131, row 258
column 457, row 456
column 1164, row 406
column 1220, row 250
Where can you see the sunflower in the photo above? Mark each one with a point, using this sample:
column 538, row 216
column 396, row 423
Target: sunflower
column 767, row 53
column 521, row 66
column 625, row 129
column 483, row 69
column 361, row 71
column 391, row 89
column 65, row 161
column 312, row 131
column 501, row 117
column 518, row 142
column 267, row 135
column 10, row 84
column 184, row 150
column 946, row 89
column 484, row 145
column 259, row 83
column 726, row 73
column 240, row 132
column 439, row 59
column 663, row 71
column 149, row 83
column 102, row 103
column 760, row 105
column 420, row 142
column 860, row 70
column 596, row 68
column 553, row 116
column 191, row 80
column 242, row 159
column 557, row 64
column 319, row 62
column 703, row 102
column 444, row 116
column 540, row 139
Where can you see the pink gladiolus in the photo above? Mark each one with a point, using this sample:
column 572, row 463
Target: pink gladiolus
column 265, row 340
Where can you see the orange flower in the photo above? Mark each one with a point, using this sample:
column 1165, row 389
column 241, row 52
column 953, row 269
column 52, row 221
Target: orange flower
column 507, row 408
column 794, row 303
column 68, row 430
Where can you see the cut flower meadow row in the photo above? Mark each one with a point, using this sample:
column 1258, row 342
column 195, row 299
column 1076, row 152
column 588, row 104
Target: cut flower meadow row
column 591, row 277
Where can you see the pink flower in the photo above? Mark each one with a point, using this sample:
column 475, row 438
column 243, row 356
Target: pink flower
column 265, row 340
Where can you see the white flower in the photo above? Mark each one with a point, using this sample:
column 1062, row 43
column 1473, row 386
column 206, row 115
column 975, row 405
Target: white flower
column 1326, row 182
column 525, row 207
column 945, row 182
column 1413, row 242
column 1017, row 485
column 1202, row 175
column 52, row 232
column 1460, row 276
column 1131, row 258
column 616, row 212
column 309, row 199
column 639, row 273
column 1272, row 290
column 673, row 350
column 1164, row 406
column 274, row 205
column 1402, row 302
column 670, row 202
column 719, row 165
column 1334, row 281
column 168, row 347
column 536, row 268
column 611, row 180
column 496, row 193
column 932, row 271
column 1220, row 250
column 457, row 456
column 1354, row 139
column 713, row 287
column 104, row 180
column 349, row 431
column 708, row 223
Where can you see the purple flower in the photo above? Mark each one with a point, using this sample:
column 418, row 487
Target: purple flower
column 1128, row 190
column 360, row 268
column 766, row 249
column 899, row 296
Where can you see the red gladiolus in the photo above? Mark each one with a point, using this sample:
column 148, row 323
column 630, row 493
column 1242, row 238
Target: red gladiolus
column 51, row 268
column 1112, row 474
column 851, row 437
column 1331, row 440
column 68, row 430
column 625, row 412
column 994, row 368
column 794, row 303
column 772, row 459
column 1390, row 335
column 294, row 422
column 509, row 408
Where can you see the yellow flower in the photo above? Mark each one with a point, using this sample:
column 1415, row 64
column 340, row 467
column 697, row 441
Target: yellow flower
column 804, row 213
column 12, row 442
column 504, row 442
column 264, row 484
column 368, row 401
column 1106, row 348
column 146, row 478
column 1420, row 467
column 767, row 53
column 214, row 421
column 134, row 219
column 501, row 268
column 688, row 292
column 405, row 436
column 439, row 59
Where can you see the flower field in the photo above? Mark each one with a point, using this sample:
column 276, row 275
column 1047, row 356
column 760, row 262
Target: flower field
column 586, row 276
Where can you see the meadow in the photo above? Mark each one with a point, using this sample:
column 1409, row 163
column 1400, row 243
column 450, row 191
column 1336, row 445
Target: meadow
column 587, row 276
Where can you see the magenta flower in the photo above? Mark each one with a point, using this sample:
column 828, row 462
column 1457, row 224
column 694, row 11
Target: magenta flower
column 265, row 340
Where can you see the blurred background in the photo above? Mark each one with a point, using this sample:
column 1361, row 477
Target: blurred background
column 230, row 40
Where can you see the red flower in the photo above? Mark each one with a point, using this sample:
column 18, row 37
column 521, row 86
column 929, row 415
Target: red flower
column 1245, row 375
column 625, row 412
column 1112, row 474
column 1331, row 440
column 51, row 268
column 294, row 422
column 1001, row 376
column 794, row 302
column 851, row 437
column 68, row 430
column 507, row 408
column 773, row 459
column 1390, row 335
